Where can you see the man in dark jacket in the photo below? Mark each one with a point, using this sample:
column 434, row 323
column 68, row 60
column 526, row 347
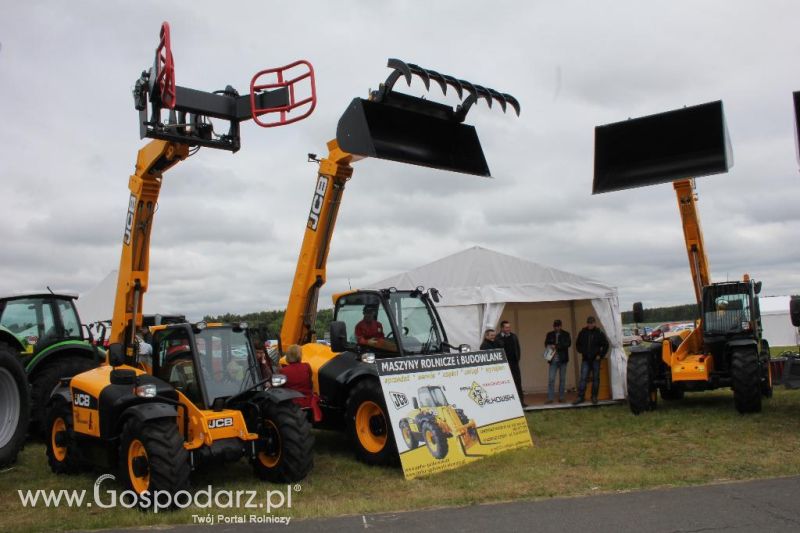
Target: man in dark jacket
column 560, row 341
column 490, row 341
column 510, row 343
column 592, row 344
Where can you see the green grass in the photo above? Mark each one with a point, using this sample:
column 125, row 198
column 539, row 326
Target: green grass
column 577, row 452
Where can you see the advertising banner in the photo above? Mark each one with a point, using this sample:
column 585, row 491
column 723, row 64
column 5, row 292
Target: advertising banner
column 451, row 409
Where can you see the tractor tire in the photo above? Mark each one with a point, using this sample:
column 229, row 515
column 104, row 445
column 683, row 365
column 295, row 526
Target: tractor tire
column 746, row 381
column 45, row 379
column 62, row 453
column 152, row 457
column 368, row 424
column 435, row 440
column 408, row 435
column 284, row 454
column 671, row 395
column 640, row 393
column 14, row 405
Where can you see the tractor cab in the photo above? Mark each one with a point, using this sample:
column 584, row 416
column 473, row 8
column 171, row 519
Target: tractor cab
column 388, row 322
column 430, row 396
column 39, row 321
column 207, row 363
column 730, row 310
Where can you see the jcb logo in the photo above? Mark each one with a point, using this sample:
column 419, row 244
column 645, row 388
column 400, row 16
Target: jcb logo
column 126, row 238
column 82, row 400
column 220, row 423
column 399, row 399
column 316, row 203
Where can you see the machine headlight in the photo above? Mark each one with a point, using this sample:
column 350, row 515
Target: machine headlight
column 278, row 380
column 145, row 391
column 746, row 326
column 200, row 326
column 368, row 358
column 464, row 348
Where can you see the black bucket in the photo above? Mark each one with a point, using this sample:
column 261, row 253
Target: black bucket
column 684, row 143
column 430, row 139
column 796, row 96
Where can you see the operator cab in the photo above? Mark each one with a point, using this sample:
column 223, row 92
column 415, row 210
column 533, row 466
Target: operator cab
column 205, row 362
column 431, row 396
column 407, row 321
column 731, row 309
column 41, row 320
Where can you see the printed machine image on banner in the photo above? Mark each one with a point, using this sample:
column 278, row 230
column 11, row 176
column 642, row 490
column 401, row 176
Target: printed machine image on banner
column 449, row 410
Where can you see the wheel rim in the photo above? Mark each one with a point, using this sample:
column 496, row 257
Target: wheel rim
column 9, row 407
column 431, row 441
column 267, row 459
column 59, row 452
column 139, row 483
column 370, row 426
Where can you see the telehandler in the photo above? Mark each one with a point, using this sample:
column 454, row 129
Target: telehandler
column 726, row 349
column 407, row 129
column 434, row 420
column 202, row 397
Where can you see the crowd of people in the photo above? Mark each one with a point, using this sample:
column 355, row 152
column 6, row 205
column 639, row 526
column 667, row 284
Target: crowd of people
column 591, row 344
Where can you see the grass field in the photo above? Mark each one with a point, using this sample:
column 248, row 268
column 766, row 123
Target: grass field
column 577, row 452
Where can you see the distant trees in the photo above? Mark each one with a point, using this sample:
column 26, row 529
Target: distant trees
column 675, row 313
column 267, row 324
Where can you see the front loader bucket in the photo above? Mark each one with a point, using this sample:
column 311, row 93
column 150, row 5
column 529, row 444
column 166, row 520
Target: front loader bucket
column 796, row 96
column 404, row 128
column 373, row 129
column 684, row 143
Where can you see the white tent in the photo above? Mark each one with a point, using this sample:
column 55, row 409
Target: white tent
column 480, row 287
column 98, row 302
column 778, row 328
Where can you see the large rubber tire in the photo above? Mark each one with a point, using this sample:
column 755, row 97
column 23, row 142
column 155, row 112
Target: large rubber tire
column 165, row 460
column 285, row 451
column 14, row 405
column 45, row 379
column 368, row 424
column 435, row 440
column 408, row 436
column 746, row 380
column 62, row 453
column 640, row 390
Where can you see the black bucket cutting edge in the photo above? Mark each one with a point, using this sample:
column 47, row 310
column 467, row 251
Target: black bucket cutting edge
column 684, row 143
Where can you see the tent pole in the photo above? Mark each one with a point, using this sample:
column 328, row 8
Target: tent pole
column 576, row 372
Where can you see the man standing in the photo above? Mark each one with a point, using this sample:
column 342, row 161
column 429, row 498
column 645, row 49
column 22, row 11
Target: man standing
column 510, row 343
column 592, row 344
column 560, row 341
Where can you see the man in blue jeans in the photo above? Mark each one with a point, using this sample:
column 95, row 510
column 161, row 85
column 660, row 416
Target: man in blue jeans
column 560, row 341
column 592, row 344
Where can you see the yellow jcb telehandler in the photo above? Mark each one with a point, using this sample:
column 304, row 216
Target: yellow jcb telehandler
column 201, row 397
column 726, row 348
column 407, row 129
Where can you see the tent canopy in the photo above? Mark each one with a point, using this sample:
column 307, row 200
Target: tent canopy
column 477, row 283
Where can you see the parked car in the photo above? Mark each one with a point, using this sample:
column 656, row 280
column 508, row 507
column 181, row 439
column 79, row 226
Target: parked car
column 669, row 329
column 630, row 337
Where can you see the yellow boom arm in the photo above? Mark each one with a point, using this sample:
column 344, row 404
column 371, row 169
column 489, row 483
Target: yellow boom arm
column 693, row 236
column 310, row 275
column 134, row 264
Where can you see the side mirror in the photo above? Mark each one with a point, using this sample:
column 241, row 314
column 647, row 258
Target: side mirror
column 638, row 312
column 415, row 402
column 434, row 294
column 116, row 355
column 757, row 287
column 338, row 336
column 794, row 311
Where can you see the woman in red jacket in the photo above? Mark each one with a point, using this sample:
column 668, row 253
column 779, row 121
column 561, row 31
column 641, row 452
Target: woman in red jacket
column 298, row 378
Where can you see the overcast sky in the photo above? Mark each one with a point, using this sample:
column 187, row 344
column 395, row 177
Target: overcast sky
column 229, row 226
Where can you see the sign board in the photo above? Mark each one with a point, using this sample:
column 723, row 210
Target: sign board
column 448, row 410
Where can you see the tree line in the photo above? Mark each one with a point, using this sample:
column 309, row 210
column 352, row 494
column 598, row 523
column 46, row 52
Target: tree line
column 267, row 324
column 675, row 313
